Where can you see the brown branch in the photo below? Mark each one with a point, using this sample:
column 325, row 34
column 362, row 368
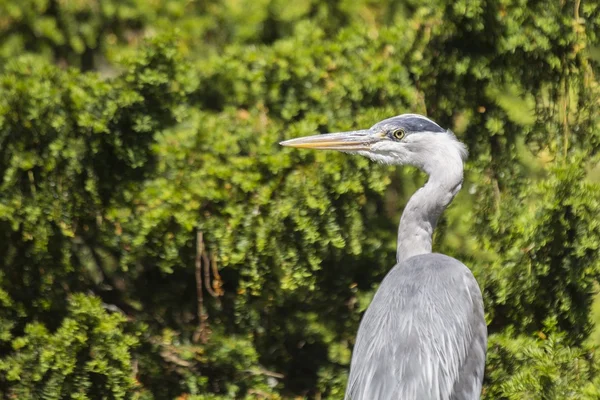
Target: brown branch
column 209, row 289
column 202, row 331
column 172, row 357
column 259, row 394
column 265, row 372
column 217, row 283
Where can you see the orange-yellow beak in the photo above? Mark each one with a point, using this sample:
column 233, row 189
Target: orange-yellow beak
column 343, row 141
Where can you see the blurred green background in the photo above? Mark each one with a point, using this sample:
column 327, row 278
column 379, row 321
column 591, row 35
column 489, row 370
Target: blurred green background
column 130, row 128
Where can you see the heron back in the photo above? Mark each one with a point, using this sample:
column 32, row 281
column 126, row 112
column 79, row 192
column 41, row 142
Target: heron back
column 423, row 336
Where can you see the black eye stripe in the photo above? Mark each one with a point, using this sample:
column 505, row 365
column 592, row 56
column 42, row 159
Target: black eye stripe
column 416, row 124
column 410, row 123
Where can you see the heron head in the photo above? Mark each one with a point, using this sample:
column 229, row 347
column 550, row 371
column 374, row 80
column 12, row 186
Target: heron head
column 405, row 139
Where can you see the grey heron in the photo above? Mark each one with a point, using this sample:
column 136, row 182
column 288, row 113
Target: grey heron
column 424, row 334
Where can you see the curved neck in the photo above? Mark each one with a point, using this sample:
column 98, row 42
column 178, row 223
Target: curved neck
column 423, row 210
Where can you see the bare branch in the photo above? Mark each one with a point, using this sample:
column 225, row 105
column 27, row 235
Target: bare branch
column 202, row 332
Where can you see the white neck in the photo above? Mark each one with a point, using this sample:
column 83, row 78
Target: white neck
column 424, row 208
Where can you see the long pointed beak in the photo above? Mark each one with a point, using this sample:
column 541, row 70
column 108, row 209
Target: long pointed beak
column 344, row 141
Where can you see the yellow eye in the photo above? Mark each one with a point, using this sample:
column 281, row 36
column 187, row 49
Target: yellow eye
column 399, row 134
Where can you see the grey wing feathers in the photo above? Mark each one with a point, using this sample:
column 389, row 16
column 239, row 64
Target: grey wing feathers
column 424, row 335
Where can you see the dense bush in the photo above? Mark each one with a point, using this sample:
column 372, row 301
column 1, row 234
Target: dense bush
column 118, row 154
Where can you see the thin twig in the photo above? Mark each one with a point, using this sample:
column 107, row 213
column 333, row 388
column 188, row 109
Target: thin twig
column 206, row 261
column 174, row 358
column 217, row 283
column 202, row 332
column 265, row 372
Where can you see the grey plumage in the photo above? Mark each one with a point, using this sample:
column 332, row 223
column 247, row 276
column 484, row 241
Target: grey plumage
column 419, row 337
column 424, row 335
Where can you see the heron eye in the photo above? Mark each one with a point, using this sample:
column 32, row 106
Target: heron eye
column 399, row 134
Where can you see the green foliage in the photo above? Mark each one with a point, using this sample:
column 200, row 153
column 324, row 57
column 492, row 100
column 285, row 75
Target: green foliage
column 550, row 258
column 528, row 368
column 116, row 151
column 88, row 356
column 70, row 144
column 227, row 364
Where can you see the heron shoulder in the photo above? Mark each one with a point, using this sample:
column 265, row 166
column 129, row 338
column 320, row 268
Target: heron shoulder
column 434, row 259
column 433, row 265
column 416, row 338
